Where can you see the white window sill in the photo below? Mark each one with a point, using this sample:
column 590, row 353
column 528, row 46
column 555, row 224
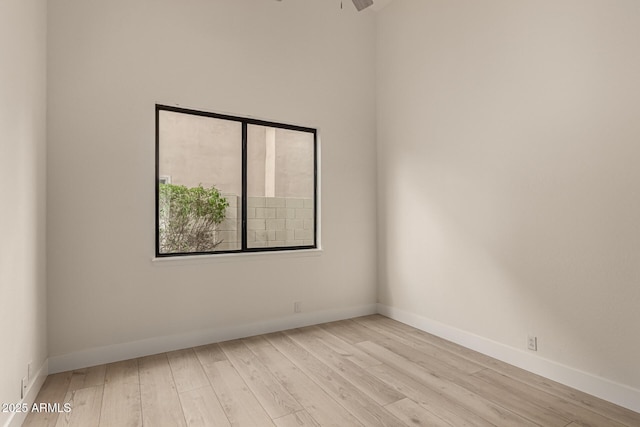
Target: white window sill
column 236, row 257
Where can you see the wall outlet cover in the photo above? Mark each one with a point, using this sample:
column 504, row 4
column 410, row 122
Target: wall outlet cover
column 25, row 384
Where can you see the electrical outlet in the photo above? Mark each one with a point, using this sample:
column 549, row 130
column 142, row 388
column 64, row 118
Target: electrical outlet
column 25, row 384
column 532, row 343
column 297, row 306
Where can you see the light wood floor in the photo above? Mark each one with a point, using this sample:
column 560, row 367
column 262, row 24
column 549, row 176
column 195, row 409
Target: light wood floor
column 367, row 371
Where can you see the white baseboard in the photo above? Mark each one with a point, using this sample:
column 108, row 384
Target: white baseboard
column 17, row 418
column 594, row 385
column 117, row 352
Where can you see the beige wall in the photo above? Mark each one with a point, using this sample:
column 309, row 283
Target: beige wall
column 508, row 178
column 22, row 186
column 292, row 163
column 188, row 156
column 110, row 63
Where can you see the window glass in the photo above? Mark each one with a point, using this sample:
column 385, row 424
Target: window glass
column 200, row 183
column 280, row 172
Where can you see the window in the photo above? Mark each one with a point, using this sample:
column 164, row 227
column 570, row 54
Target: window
column 231, row 184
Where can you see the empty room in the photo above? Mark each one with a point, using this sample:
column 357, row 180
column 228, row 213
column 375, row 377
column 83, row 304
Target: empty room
column 320, row 212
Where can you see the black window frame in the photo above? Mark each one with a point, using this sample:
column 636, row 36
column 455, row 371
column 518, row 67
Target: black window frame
column 245, row 122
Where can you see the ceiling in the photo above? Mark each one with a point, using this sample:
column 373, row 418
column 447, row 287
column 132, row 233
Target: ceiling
column 379, row 4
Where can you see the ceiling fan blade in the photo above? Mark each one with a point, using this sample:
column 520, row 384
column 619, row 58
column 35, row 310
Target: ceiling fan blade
column 362, row 4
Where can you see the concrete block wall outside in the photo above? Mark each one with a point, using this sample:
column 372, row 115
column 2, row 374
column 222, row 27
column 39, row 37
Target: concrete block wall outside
column 271, row 222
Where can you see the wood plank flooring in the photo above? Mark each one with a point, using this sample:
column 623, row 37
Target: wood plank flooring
column 368, row 371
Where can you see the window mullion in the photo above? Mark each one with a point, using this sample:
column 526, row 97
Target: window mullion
column 244, row 186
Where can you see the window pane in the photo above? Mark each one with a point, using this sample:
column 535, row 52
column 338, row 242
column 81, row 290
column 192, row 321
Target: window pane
column 280, row 187
column 200, row 183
